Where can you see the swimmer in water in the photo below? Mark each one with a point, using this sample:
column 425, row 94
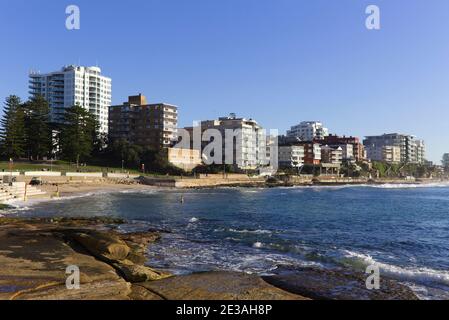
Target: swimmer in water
column 182, row 199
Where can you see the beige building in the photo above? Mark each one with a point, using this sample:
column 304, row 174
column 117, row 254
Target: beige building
column 333, row 155
column 391, row 154
column 186, row 159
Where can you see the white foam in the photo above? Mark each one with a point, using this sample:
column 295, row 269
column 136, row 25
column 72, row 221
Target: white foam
column 419, row 275
column 139, row 191
column 258, row 231
column 377, row 186
column 193, row 220
column 258, row 245
column 410, row 185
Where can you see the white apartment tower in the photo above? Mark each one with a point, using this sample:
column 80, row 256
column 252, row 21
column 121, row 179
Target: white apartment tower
column 249, row 150
column 308, row 131
column 74, row 85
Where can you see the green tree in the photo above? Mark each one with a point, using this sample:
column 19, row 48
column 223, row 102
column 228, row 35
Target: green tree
column 37, row 128
column 78, row 134
column 130, row 154
column 12, row 133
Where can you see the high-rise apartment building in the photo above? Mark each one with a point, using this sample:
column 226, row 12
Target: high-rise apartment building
column 74, row 85
column 411, row 150
column 308, row 131
column 140, row 123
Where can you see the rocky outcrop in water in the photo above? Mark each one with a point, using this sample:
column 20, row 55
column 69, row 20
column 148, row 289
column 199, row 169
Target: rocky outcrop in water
column 342, row 284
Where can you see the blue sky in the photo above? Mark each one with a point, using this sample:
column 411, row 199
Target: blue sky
column 277, row 61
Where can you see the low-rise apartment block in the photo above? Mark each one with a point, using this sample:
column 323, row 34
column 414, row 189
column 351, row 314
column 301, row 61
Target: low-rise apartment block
column 186, row 159
column 332, row 155
column 312, row 150
column 358, row 150
column 291, row 156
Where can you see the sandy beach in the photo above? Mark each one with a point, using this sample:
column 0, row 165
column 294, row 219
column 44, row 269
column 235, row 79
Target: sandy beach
column 70, row 189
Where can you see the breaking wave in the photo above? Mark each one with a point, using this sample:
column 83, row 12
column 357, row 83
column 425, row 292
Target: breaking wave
column 425, row 276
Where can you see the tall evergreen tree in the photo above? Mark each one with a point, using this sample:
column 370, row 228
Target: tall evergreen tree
column 37, row 128
column 12, row 132
column 78, row 134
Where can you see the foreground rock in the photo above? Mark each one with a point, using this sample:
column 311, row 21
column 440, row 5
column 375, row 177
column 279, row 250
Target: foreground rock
column 34, row 260
column 35, row 253
column 213, row 286
column 344, row 284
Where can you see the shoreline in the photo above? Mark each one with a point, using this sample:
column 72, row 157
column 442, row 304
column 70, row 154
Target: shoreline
column 71, row 190
column 61, row 191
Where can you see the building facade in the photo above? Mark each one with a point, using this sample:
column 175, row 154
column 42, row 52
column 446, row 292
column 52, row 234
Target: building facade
column 248, row 147
column 308, row 131
column 332, row 155
column 445, row 161
column 391, row 154
column 312, row 150
column 73, row 85
column 140, row 123
column 312, row 153
column 186, row 159
column 291, row 156
column 358, row 150
column 411, row 150
column 420, row 154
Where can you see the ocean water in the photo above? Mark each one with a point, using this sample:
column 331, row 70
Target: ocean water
column 402, row 228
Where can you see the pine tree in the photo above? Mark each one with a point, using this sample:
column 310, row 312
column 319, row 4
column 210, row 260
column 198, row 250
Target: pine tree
column 78, row 134
column 37, row 128
column 12, row 132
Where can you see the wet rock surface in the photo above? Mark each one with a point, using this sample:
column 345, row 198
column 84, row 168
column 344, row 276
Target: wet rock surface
column 216, row 286
column 342, row 284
